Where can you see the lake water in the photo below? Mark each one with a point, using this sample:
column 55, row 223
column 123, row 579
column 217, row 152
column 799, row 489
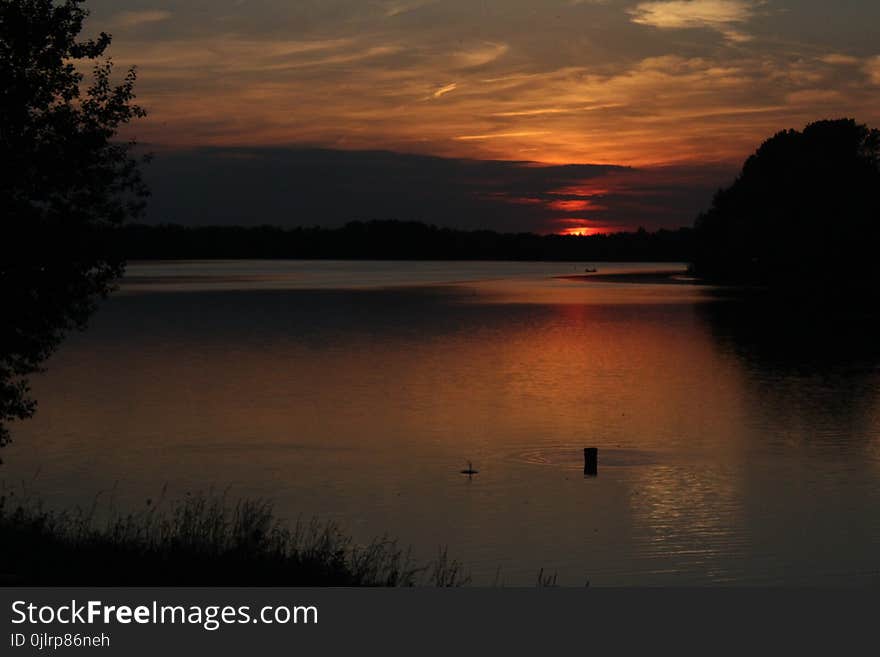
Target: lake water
column 737, row 444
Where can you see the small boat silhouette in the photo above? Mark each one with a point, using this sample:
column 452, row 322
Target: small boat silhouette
column 470, row 472
column 590, row 270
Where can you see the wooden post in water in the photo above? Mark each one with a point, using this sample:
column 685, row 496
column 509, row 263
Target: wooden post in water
column 591, row 461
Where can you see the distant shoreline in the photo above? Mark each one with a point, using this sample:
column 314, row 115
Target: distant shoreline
column 649, row 277
column 393, row 240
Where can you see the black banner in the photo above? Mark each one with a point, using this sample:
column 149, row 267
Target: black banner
column 235, row 621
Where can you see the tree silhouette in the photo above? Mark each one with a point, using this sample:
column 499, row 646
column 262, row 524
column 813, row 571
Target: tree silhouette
column 804, row 213
column 66, row 183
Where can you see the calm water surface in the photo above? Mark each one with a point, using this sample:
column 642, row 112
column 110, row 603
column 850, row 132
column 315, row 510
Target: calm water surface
column 737, row 446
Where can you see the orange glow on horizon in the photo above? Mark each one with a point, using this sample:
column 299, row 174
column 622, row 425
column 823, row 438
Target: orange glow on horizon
column 580, row 232
column 582, row 227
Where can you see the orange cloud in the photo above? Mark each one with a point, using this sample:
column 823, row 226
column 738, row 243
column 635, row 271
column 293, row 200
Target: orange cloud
column 384, row 80
column 129, row 19
column 720, row 15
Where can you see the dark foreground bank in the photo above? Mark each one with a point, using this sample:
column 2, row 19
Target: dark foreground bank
column 199, row 541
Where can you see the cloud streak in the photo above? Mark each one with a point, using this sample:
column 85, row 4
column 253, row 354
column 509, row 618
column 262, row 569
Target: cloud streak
column 444, row 90
column 720, row 15
column 872, row 68
column 130, row 19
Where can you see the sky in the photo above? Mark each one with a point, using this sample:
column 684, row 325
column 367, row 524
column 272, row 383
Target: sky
column 581, row 115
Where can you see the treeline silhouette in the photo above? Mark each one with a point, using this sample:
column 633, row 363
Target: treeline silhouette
column 395, row 240
column 66, row 182
column 803, row 215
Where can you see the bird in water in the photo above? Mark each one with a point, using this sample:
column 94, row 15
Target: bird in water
column 470, row 472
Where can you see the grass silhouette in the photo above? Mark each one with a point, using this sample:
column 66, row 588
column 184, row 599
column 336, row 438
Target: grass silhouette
column 199, row 540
